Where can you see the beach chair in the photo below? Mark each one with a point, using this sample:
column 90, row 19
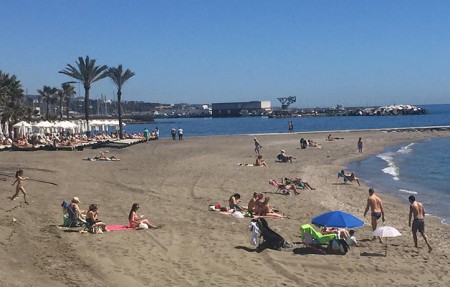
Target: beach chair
column 280, row 187
column 346, row 178
column 70, row 219
column 313, row 239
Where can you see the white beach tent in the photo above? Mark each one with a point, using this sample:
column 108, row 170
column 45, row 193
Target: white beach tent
column 44, row 126
column 66, row 125
column 24, row 128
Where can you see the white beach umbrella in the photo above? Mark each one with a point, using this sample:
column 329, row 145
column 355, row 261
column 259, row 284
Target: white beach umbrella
column 24, row 128
column 386, row 231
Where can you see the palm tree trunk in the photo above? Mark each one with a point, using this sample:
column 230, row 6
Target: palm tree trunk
column 67, row 108
column 46, row 114
column 86, row 108
column 60, row 108
column 119, row 111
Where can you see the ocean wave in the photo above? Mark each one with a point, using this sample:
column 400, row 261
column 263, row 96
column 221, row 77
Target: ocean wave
column 406, row 149
column 407, row 191
column 391, row 169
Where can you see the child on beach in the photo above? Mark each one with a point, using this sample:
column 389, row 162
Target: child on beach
column 19, row 180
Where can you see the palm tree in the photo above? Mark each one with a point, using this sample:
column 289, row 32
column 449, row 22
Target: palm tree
column 68, row 91
column 119, row 77
column 87, row 73
column 11, row 100
column 48, row 94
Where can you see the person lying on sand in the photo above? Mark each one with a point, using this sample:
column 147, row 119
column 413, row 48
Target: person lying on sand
column 137, row 221
column 348, row 177
column 103, row 157
column 297, row 181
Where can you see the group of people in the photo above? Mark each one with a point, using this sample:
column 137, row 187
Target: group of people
column 90, row 216
column 416, row 214
column 173, row 133
column 257, row 206
column 153, row 135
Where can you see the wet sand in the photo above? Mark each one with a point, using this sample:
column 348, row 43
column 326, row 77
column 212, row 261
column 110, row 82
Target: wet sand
column 174, row 182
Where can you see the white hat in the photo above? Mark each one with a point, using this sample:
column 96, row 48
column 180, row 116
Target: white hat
column 76, row 199
column 282, row 151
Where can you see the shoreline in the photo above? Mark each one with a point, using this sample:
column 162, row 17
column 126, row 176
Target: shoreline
column 174, row 182
column 398, row 193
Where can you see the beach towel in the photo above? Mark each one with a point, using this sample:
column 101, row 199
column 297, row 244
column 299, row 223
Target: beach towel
column 118, row 227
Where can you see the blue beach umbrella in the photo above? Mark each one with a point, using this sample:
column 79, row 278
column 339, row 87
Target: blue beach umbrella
column 338, row 219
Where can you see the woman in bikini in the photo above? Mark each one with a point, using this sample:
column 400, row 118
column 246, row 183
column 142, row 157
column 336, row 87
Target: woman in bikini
column 93, row 222
column 260, row 162
column 136, row 220
column 267, row 210
column 19, row 187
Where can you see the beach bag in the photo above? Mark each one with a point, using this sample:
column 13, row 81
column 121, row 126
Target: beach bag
column 143, row 226
column 237, row 214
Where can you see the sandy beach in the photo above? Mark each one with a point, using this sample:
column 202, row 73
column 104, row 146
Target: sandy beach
column 174, row 182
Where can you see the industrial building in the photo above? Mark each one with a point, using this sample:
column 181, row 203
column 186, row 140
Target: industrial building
column 238, row 109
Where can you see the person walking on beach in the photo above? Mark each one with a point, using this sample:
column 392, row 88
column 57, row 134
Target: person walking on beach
column 180, row 134
column 173, row 133
column 19, row 187
column 290, row 127
column 417, row 211
column 146, row 134
column 376, row 209
column 257, row 146
column 360, row 145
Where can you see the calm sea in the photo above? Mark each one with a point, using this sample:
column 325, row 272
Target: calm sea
column 421, row 168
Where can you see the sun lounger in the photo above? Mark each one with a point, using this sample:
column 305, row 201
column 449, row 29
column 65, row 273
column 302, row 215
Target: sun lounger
column 313, row 239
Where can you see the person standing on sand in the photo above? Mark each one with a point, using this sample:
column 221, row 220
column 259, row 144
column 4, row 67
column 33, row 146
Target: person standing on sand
column 257, row 146
column 376, row 209
column 180, row 134
column 19, row 187
column 146, row 134
column 360, row 145
column 173, row 133
column 417, row 211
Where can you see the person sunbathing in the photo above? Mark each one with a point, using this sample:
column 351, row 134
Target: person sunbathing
column 103, row 157
column 348, row 177
column 137, row 221
column 297, row 181
column 91, row 219
column 260, row 162
column 288, row 187
column 267, row 210
column 283, row 157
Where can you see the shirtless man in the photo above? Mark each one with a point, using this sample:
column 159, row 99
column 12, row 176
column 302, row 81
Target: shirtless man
column 417, row 211
column 252, row 203
column 376, row 209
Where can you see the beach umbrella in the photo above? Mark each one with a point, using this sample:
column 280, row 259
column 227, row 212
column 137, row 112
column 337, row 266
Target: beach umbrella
column 386, row 231
column 338, row 219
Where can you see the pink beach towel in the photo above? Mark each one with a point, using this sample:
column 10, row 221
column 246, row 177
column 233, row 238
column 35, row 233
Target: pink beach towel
column 118, row 227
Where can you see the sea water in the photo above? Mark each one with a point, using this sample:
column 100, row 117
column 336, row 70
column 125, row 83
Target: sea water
column 421, row 169
column 438, row 115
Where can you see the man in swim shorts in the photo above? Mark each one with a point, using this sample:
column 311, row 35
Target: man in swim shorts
column 376, row 209
column 417, row 211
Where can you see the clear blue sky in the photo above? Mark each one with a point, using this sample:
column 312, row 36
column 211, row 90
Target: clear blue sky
column 324, row 52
